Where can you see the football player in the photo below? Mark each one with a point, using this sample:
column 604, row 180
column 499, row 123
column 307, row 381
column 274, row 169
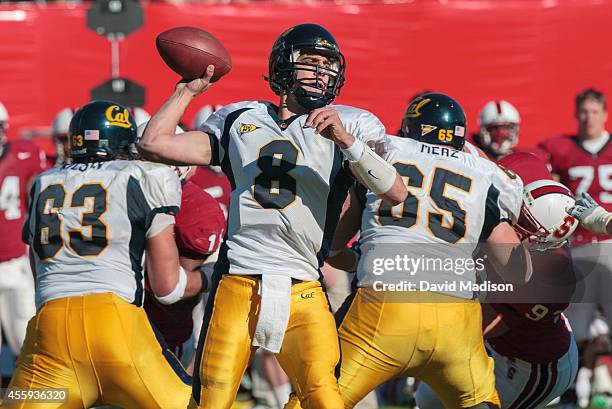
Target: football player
column 20, row 162
column 583, row 162
column 499, row 125
column 89, row 224
column 535, row 354
column 285, row 165
column 499, row 130
column 455, row 200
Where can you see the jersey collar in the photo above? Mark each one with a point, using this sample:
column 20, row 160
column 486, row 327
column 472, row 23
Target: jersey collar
column 282, row 124
column 595, row 154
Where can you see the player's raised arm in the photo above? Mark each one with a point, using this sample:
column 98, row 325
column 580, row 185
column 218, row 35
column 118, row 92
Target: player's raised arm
column 159, row 142
column 373, row 171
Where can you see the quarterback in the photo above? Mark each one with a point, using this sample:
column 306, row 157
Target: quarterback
column 89, row 224
column 286, row 167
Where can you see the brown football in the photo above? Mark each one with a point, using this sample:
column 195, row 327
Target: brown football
column 189, row 50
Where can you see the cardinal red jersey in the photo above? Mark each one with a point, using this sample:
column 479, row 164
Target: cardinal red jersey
column 199, row 229
column 582, row 171
column 215, row 184
column 536, row 331
column 475, row 140
column 20, row 162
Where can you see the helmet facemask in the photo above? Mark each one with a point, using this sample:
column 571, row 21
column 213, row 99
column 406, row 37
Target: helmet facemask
column 500, row 138
column 554, row 230
column 313, row 92
column 532, row 232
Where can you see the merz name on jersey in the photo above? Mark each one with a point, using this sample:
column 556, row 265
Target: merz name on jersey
column 440, row 150
column 83, row 166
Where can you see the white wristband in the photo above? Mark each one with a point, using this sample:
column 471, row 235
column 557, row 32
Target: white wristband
column 376, row 174
column 178, row 292
column 354, row 152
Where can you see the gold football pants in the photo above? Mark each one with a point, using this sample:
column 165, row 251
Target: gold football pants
column 428, row 336
column 103, row 350
column 308, row 355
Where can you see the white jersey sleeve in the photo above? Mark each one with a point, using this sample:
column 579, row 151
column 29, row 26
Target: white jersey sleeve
column 162, row 191
column 510, row 198
column 361, row 124
column 215, row 127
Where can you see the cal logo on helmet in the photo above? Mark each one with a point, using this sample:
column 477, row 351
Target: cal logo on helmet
column 246, row 128
column 414, row 110
column 118, row 116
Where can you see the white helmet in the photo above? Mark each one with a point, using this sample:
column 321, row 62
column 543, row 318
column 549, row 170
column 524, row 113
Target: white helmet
column 61, row 122
column 544, row 222
column 4, row 116
column 499, row 123
column 203, row 114
column 4, row 121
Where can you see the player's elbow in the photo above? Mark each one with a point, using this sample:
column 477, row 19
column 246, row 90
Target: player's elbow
column 148, row 150
column 162, row 284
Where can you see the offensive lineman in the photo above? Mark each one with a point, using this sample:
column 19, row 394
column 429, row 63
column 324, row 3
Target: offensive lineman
column 455, row 200
column 89, row 225
column 285, row 165
column 535, row 354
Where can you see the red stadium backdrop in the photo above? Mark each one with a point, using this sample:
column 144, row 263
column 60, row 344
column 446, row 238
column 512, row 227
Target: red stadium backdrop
column 535, row 53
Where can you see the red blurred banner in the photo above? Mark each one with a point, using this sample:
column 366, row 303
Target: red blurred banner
column 536, row 54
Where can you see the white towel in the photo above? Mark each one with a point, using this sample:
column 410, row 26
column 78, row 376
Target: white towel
column 274, row 312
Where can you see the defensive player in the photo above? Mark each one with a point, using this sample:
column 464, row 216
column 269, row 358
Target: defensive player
column 285, row 165
column 456, row 200
column 499, row 130
column 89, row 224
column 535, row 354
column 20, row 162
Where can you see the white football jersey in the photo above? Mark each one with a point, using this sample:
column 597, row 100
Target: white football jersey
column 88, row 226
column 288, row 186
column 455, row 200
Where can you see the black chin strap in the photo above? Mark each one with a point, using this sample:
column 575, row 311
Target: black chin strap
column 310, row 100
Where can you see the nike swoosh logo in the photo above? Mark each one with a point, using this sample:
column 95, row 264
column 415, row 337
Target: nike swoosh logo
column 371, row 174
column 23, row 155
